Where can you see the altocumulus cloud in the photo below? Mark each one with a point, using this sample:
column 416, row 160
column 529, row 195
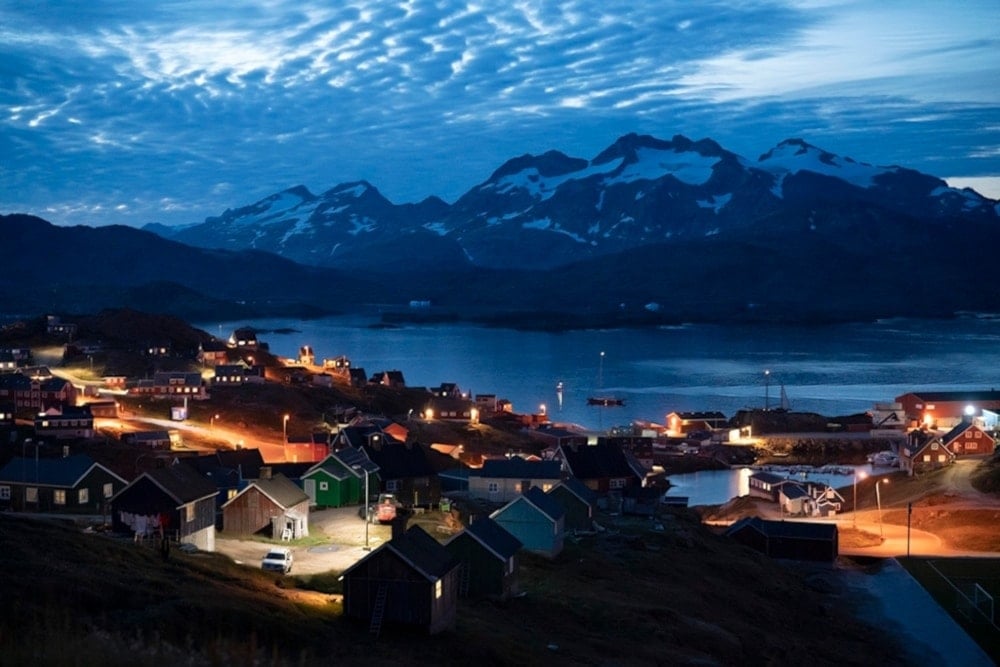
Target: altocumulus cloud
column 123, row 112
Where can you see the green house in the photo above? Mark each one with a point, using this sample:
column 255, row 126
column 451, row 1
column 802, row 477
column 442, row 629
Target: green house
column 334, row 483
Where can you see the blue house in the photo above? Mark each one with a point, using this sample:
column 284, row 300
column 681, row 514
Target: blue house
column 536, row 520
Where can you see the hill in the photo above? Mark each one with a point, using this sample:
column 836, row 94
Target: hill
column 677, row 596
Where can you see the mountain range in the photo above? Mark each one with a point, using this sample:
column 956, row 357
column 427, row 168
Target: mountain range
column 647, row 232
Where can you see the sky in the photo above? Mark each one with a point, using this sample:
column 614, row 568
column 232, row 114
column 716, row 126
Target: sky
column 124, row 112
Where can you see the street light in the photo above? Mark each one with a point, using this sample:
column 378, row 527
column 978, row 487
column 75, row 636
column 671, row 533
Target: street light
column 211, row 422
column 862, row 475
column 284, row 428
column 767, row 390
column 878, row 499
column 367, row 500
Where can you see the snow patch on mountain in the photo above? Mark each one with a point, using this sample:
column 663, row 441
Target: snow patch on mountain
column 361, row 224
column 793, row 156
column 298, row 227
column 717, row 202
column 543, row 187
column 544, row 223
column 651, row 164
column 438, row 228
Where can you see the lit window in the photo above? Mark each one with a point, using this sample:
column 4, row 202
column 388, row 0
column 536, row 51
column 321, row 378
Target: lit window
column 83, row 496
column 231, row 493
column 109, row 490
column 59, row 497
column 438, row 590
column 189, row 513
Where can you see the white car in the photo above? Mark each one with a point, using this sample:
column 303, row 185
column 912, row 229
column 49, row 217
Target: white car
column 278, row 559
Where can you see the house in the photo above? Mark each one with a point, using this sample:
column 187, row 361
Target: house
column 640, row 500
column 357, row 377
column 237, row 374
column 793, row 540
column 487, row 404
column 454, row 479
column 340, row 365
column 246, row 461
column 213, row 353
column 65, row 423
column 536, row 520
column 577, row 501
column 391, row 379
column 273, row 505
column 455, row 409
column 71, row 484
column 176, row 496
column 227, row 481
column 447, row 390
column 603, row 467
column 924, row 451
column 6, row 415
column 334, row 483
column 930, row 407
column 502, row 480
column 7, row 362
column 148, row 439
column 244, row 338
column 405, row 470
column 21, row 355
column 307, row 449
column 488, row 554
column 37, row 393
column 679, row 423
column 640, row 447
column 56, row 327
column 104, row 409
column 968, row 439
column 169, row 384
column 793, row 499
column 555, row 437
column 410, row 580
column 766, row 485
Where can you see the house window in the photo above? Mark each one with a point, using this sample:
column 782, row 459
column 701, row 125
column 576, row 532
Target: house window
column 510, row 564
column 438, row 590
column 927, row 457
column 324, row 486
column 109, row 490
column 494, row 487
column 546, row 487
column 978, row 435
column 4, row 493
column 189, row 513
column 59, row 496
column 616, row 484
column 392, row 485
column 83, row 496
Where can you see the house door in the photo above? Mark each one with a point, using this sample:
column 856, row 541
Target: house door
column 309, row 485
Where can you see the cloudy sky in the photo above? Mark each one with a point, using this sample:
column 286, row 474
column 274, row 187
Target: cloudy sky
column 134, row 112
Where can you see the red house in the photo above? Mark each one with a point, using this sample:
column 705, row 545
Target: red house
column 968, row 439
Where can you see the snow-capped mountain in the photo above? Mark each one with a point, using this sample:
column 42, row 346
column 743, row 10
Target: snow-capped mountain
column 549, row 210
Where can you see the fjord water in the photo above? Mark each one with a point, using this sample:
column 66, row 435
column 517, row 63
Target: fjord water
column 833, row 370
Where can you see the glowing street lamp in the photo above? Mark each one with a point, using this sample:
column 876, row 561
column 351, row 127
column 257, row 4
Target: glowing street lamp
column 862, row 475
column 211, row 422
column 284, row 428
column 878, row 500
column 767, row 390
column 542, row 409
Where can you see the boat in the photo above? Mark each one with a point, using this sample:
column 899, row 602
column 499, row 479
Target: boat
column 603, row 401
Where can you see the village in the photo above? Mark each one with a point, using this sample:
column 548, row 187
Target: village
column 410, row 493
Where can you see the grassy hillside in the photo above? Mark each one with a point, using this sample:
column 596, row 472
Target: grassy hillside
column 630, row 596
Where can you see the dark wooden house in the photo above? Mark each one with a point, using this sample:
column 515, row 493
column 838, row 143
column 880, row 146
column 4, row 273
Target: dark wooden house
column 578, row 501
column 180, row 498
column 72, row 484
column 271, row 505
column 489, row 559
column 793, row 540
column 603, row 467
column 411, row 580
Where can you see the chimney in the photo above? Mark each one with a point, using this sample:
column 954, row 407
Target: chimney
column 265, row 472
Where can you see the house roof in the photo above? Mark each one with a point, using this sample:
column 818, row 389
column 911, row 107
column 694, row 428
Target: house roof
column 603, row 460
column 64, row 472
column 282, row 491
column 182, row 483
column 247, row 461
column 959, row 430
column 793, row 491
column 333, row 467
column 786, row 529
column 537, row 498
column 768, row 477
column 494, row 537
column 578, row 489
column 419, row 550
column 351, row 456
column 705, row 416
column 399, row 461
column 517, row 468
column 954, row 396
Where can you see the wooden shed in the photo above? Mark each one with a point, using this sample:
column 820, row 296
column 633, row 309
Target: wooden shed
column 536, row 520
column 333, row 483
column 578, row 501
column 268, row 505
column 410, row 580
column 793, row 540
column 488, row 554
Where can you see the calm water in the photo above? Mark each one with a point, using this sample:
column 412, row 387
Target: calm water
column 832, row 370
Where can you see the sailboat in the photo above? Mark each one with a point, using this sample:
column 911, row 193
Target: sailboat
column 599, row 400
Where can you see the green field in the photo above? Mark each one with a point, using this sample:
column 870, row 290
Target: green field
column 951, row 581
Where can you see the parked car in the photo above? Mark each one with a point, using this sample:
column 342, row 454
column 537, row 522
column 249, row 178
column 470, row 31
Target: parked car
column 278, row 559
